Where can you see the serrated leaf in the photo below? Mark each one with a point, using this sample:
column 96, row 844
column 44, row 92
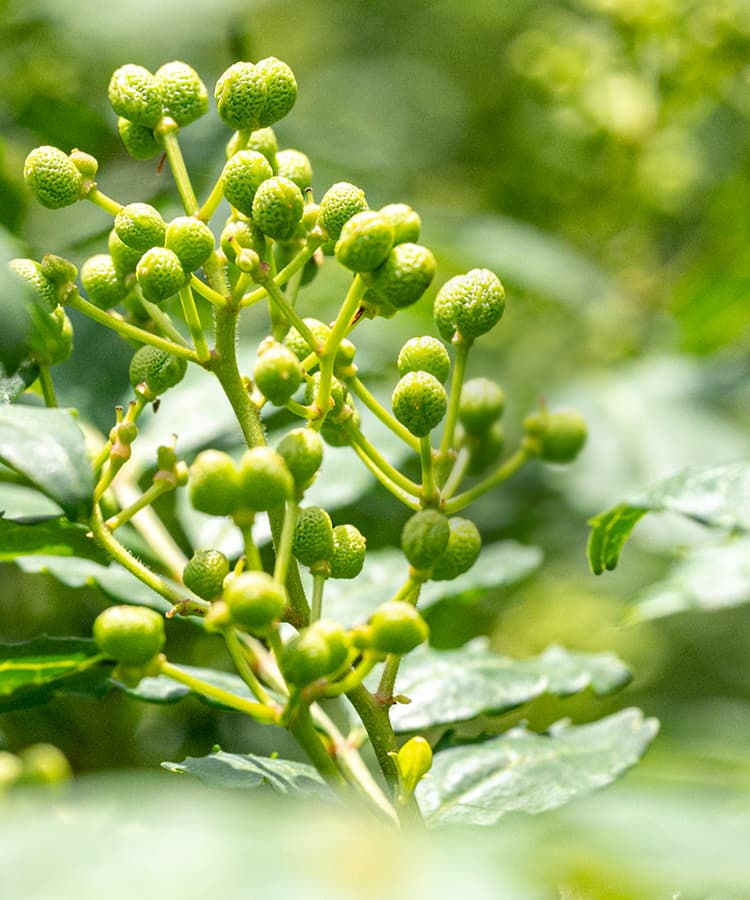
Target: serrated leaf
column 53, row 537
column 526, row 772
column 233, row 770
column 46, row 445
column 716, row 496
column 453, row 686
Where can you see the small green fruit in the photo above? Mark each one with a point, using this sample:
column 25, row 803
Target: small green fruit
column 58, row 270
column 404, row 221
column 183, row 95
column 277, row 372
column 302, row 451
column 265, row 480
column 482, row 403
column 556, row 437
column 425, row 354
column 157, row 369
column 398, row 628
column 349, row 548
column 205, row 573
column 124, row 258
column 215, row 483
column 139, row 141
column 101, row 281
column 264, row 141
column 86, row 164
column 242, row 233
column 192, row 241
column 424, row 537
column 404, row 276
column 140, row 226
column 469, row 304
column 277, row 208
column 281, row 89
column 339, row 393
column 43, row 764
column 160, row 274
column 134, row 94
column 255, row 600
column 317, row 651
column 296, row 166
column 40, row 290
column 131, row 635
column 419, row 402
column 464, row 546
column 240, row 96
column 242, row 176
column 299, row 346
column 340, row 202
column 52, row 177
column 365, row 242
column 313, row 536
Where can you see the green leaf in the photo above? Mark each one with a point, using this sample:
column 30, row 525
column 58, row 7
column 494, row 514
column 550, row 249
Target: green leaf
column 526, row 772
column 453, row 686
column 12, row 386
column 54, row 537
column 46, row 445
column 609, row 531
column 233, row 770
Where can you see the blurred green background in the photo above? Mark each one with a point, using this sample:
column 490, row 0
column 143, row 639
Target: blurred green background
column 596, row 155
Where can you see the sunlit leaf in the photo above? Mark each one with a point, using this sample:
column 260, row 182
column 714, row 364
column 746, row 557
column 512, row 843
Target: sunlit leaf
column 54, row 537
column 12, row 386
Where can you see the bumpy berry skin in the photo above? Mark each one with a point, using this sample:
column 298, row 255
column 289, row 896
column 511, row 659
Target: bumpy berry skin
column 52, row 177
column 140, row 226
column 405, row 222
column 183, row 95
column 339, row 394
column 132, row 635
column 58, row 270
column 349, row 548
column 138, row 140
column 464, row 545
column 425, row 354
column 134, row 94
column 482, row 403
column 365, row 242
column 277, row 208
column 160, row 274
column 255, row 600
column 102, row 282
column 298, row 345
column 264, row 141
column 424, row 537
column 192, row 241
column 281, row 89
column 296, row 166
column 205, row 573
column 313, row 536
column 40, row 288
column 556, row 437
column 265, row 480
column 302, row 451
column 243, row 233
column 340, row 202
column 419, row 402
column 404, row 276
column 314, row 653
column 469, row 304
column 398, row 628
column 86, row 164
column 242, row 176
column 157, row 369
column 277, row 372
column 124, row 258
column 240, row 96
column 214, row 484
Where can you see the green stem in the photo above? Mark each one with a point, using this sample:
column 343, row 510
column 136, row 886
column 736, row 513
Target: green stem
column 194, row 324
column 389, row 485
column 316, row 606
column 357, row 438
column 354, row 678
column 409, row 593
column 208, row 293
column 379, row 730
column 378, row 410
column 284, row 546
column 285, row 274
column 303, row 729
column 508, row 468
column 161, row 320
column 239, row 658
column 290, row 314
column 212, row 202
column 457, row 473
column 242, row 284
column 171, row 146
column 244, row 521
column 258, row 711
column 103, row 201
column 451, row 419
column 47, row 386
column 429, row 494
column 146, row 499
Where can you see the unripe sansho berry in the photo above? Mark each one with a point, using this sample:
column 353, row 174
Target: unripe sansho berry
column 132, row 635
column 340, row 202
column 425, row 354
column 349, row 548
column 254, row 600
column 134, row 94
column 240, row 95
column 464, row 545
column 39, row 288
column 277, row 208
column 339, row 394
column 192, row 241
column 404, row 276
column 265, row 480
column 298, row 345
column 157, row 369
column 397, row 627
column 205, row 573
column 482, row 403
column 140, row 226
column 139, row 141
column 43, row 764
column 102, row 282
column 405, row 222
column 58, row 270
column 281, row 89
column 86, row 164
column 242, row 234
column 277, row 373
column 314, row 653
column 264, row 141
column 469, row 304
column 183, row 95
column 419, row 402
column 302, row 451
column 242, row 176
column 160, row 274
column 424, row 537
column 365, row 242
column 214, row 485
column 313, row 536
column 296, row 166
column 52, row 177
column 557, row 437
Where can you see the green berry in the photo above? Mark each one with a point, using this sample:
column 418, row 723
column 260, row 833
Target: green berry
column 214, row 484
column 469, row 304
column 50, row 340
column 101, row 281
column 281, row 89
column 484, row 449
column 419, row 402
column 160, row 274
column 192, row 241
column 58, row 270
column 124, row 258
column 52, row 177
column 349, row 547
column 556, row 437
column 424, row 537
column 317, row 651
column 139, row 141
column 277, row 208
column 264, row 141
column 405, row 223
column 265, row 480
column 302, row 451
column 464, row 545
column 482, row 403
column 397, row 627
column 40, row 290
column 313, row 536
column 43, row 764
column 240, row 96
column 242, row 176
column 254, row 600
column 277, row 372
column 242, row 233
column 296, row 166
column 340, row 202
column 339, row 394
column 86, row 164
column 205, row 573
column 404, row 276
column 425, row 354
column 299, row 346
column 183, row 95
column 134, row 94
column 140, row 226
column 365, row 242
column 131, row 635
column 157, row 369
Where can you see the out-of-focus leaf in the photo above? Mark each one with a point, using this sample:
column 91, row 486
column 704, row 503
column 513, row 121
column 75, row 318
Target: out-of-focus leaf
column 526, row 772
column 54, row 537
column 12, row 386
column 161, row 689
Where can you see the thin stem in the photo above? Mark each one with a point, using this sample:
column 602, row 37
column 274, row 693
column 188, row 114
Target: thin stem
column 316, row 606
column 389, row 485
column 239, row 658
column 284, row 546
column 243, row 282
column 252, row 554
column 208, row 293
column 451, row 419
column 162, row 320
column 501, row 474
column 303, row 729
column 457, row 473
column 285, row 274
column 193, row 322
column 381, row 462
column 429, row 494
column 47, row 386
column 103, row 201
column 290, row 314
column 146, row 499
column 171, row 146
column 354, row 678
column 212, row 202
column 378, row 410
column 409, row 593
column 258, row 711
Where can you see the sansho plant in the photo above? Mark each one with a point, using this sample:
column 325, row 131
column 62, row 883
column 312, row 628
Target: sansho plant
column 296, row 667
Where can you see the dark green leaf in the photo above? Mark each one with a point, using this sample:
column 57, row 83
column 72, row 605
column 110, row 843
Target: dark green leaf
column 12, row 386
column 46, row 445
column 526, row 772
column 54, row 537
column 609, row 531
